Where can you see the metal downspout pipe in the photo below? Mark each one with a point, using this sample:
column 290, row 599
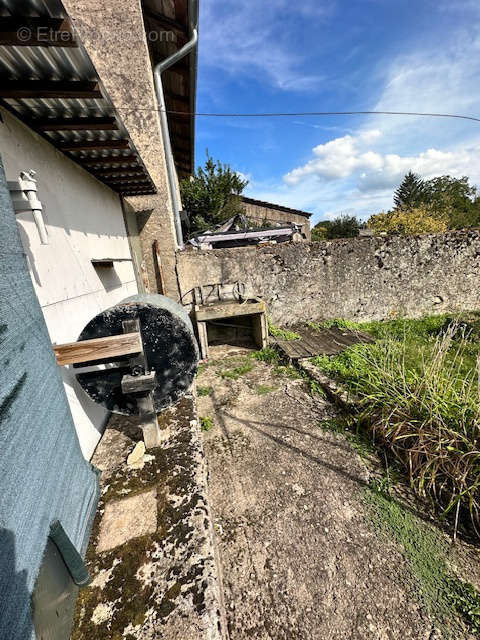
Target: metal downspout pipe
column 157, row 75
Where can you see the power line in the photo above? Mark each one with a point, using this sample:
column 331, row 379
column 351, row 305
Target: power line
column 323, row 113
column 297, row 114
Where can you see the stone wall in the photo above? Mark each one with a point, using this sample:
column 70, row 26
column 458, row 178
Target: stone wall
column 361, row 278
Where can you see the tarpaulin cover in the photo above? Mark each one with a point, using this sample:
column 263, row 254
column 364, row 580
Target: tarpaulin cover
column 44, row 476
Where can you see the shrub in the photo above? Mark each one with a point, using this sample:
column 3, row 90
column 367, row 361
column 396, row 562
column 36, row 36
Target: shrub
column 421, row 219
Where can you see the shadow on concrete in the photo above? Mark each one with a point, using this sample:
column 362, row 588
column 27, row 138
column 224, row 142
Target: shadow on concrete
column 257, row 427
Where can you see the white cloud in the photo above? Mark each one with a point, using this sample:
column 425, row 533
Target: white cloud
column 359, row 171
column 252, row 38
column 338, row 158
column 351, row 157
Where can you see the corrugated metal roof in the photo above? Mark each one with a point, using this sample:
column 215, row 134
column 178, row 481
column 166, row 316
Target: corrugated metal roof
column 67, row 64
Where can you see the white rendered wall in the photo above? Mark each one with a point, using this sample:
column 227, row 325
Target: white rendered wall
column 84, row 221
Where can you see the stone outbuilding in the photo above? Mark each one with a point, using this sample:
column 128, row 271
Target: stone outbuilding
column 271, row 214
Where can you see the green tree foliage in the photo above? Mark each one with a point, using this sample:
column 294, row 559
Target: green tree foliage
column 430, row 206
column 410, row 193
column 454, row 198
column 343, row 226
column 212, row 195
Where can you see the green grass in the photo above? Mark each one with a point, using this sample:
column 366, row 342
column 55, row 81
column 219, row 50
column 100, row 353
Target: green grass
column 237, row 372
column 419, row 394
column 283, row 334
column 206, row 423
column 202, row 368
column 424, row 549
column 204, row 391
column 339, row 323
column 264, row 389
column 353, row 431
column 268, row 355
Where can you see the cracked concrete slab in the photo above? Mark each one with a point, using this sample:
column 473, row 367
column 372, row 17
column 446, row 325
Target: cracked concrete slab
column 300, row 558
column 127, row 519
column 164, row 584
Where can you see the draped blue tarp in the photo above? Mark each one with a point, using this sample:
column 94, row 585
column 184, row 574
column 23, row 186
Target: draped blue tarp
column 43, row 474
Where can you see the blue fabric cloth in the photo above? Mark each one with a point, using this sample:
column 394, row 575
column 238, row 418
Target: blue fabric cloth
column 44, row 476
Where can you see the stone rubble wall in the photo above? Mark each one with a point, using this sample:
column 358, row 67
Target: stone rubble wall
column 365, row 278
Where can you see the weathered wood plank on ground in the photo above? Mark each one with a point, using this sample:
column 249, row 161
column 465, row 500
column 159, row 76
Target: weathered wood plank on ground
column 326, row 342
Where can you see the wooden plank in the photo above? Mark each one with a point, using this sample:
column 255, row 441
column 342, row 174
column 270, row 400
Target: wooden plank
column 89, row 145
column 98, row 349
column 74, row 124
column 49, row 89
column 165, row 21
column 203, row 339
column 36, row 32
column 229, row 310
column 158, row 261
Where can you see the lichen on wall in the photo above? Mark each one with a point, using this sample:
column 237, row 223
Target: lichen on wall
column 365, row 278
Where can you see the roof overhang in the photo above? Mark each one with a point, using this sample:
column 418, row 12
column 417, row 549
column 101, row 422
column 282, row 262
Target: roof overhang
column 48, row 81
column 167, row 29
column 277, row 207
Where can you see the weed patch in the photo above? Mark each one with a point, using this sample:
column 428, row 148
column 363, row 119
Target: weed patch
column 264, row 389
column 419, row 394
column 283, row 334
column 206, row 423
column 349, row 427
column 268, row 355
column 204, row 391
column 237, row 372
column 202, row 368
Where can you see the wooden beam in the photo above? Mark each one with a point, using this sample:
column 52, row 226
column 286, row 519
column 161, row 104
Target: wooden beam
column 36, row 32
column 165, row 21
column 94, row 145
column 90, row 162
column 180, row 97
column 49, row 89
column 230, row 310
column 74, row 124
column 98, row 349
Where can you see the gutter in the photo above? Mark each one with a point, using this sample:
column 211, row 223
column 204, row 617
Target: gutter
column 158, row 70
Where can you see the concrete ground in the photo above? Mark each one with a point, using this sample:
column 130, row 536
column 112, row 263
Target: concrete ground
column 300, row 558
column 151, row 554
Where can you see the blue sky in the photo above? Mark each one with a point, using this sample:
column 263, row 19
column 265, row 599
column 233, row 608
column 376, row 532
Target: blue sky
column 339, row 55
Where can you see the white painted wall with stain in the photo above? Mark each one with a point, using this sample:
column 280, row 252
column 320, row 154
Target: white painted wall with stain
column 85, row 221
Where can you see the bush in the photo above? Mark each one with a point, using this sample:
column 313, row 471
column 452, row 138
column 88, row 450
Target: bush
column 421, row 219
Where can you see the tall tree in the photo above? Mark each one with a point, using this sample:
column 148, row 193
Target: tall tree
column 410, row 193
column 212, row 195
column 454, row 198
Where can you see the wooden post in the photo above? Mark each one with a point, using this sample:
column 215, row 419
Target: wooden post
column 158, row 259
column 144, row 397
